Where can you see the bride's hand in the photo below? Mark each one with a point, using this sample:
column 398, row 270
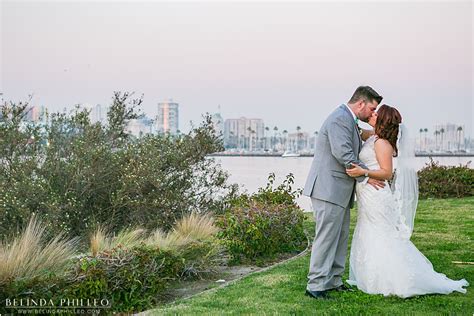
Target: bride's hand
column 356, row 171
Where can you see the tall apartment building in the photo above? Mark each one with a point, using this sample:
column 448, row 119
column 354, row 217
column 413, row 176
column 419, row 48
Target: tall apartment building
column 244, row 133
column 99, row 113
column 218, row 123
column 36, row 113
column 140, row 127
column 167, row 120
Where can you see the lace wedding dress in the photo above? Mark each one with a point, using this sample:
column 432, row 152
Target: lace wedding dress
column 383, row 260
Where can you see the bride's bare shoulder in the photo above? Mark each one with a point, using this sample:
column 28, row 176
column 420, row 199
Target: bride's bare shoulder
column 382, row 144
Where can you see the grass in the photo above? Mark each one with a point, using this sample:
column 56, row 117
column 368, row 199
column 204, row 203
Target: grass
column 30, row 255
column 444, row 231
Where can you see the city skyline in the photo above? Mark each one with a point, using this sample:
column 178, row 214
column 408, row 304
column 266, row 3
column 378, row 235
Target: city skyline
column 290, row 63
column 254, row 135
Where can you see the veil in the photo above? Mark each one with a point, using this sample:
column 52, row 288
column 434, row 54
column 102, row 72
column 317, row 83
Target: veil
column 405, row 183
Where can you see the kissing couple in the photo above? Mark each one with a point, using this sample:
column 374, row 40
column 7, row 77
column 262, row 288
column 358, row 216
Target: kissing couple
column 351, row 162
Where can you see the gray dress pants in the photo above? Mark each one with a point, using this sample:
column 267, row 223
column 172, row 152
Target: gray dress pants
column 328, row 254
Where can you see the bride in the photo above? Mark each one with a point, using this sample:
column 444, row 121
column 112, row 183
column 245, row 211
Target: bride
column 383, row 260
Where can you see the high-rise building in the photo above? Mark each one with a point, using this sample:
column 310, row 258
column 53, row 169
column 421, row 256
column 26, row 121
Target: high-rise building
column 244, row 133
column 99, row 114
column 167, row 120
column 139, row 127
column 218, row 123
column 36, row 113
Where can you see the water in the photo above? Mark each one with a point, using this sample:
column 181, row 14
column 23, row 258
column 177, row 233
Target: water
column 252, row 173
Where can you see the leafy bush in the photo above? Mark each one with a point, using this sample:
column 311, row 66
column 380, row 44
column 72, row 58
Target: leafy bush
column 437, row 181
column 281, row 195
column 130, row 269
column 131, row 279
column 193, row 237
column 78, row 175
column 260, row 226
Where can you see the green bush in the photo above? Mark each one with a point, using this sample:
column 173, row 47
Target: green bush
column 76, row 174
column 260, row 226
column 437, row 181
column 131, row 279
column 281, row 195
column 130, row 270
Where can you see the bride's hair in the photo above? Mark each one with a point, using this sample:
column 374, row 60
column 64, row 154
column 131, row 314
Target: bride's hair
column 387, row 125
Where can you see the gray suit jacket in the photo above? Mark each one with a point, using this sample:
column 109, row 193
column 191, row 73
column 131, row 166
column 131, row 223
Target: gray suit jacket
column 338, row 144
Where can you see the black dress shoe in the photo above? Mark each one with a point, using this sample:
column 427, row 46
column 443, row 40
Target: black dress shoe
column 322, row 295
column 343, row 288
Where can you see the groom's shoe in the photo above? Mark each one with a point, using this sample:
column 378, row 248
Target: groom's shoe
column 343, row 288
column 322, row 295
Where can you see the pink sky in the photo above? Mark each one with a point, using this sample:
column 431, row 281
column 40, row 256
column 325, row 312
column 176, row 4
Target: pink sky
column 288, row 63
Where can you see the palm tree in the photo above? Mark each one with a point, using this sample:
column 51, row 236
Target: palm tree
column 436, row 133
column 254, row 140
column 275, row 130
column 298, row 135
column 442, row 133
column 285, row 140
column 315, row 135
column 421, row 131
column 231, row 139
column 426, row 131
column 267, row 129
column 249, row 129
column 459, row 130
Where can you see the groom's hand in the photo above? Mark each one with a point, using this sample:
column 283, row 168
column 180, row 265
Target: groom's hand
column 377, row 184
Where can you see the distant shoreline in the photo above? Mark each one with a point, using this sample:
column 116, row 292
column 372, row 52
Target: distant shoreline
column 224, row 154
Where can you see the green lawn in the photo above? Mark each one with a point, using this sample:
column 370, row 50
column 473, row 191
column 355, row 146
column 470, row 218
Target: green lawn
column 444, row 232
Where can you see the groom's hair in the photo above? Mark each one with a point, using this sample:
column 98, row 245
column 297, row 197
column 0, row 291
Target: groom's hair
column 365, row 93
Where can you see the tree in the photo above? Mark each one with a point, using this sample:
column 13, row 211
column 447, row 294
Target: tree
column 275, row 130
column 315, row 136
column 426, row 132
column 442, row 133
column 459, row 131
column 298, row 136
column 249, row 130
column 421, row 131
column 285, row 139
column 77, row 175
column 267, row 129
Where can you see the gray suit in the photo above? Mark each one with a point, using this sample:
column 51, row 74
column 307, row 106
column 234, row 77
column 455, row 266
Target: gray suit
column 332, row 195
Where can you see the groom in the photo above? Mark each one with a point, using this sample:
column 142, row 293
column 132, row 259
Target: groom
column 332, row 191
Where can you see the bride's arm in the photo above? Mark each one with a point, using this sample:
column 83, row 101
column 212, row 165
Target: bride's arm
column 384, row 154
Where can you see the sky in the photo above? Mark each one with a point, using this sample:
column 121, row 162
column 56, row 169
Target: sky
column 289, row 63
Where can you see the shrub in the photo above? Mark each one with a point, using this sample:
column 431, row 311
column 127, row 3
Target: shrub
column 129, row 269
column 77, row 175
column 260, row 226
column 436, row 181
column 283, row 194
column 192, row 238
column 131, row 279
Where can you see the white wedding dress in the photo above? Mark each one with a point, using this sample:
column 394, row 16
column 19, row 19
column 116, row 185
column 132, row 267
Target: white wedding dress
column 383, row 260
